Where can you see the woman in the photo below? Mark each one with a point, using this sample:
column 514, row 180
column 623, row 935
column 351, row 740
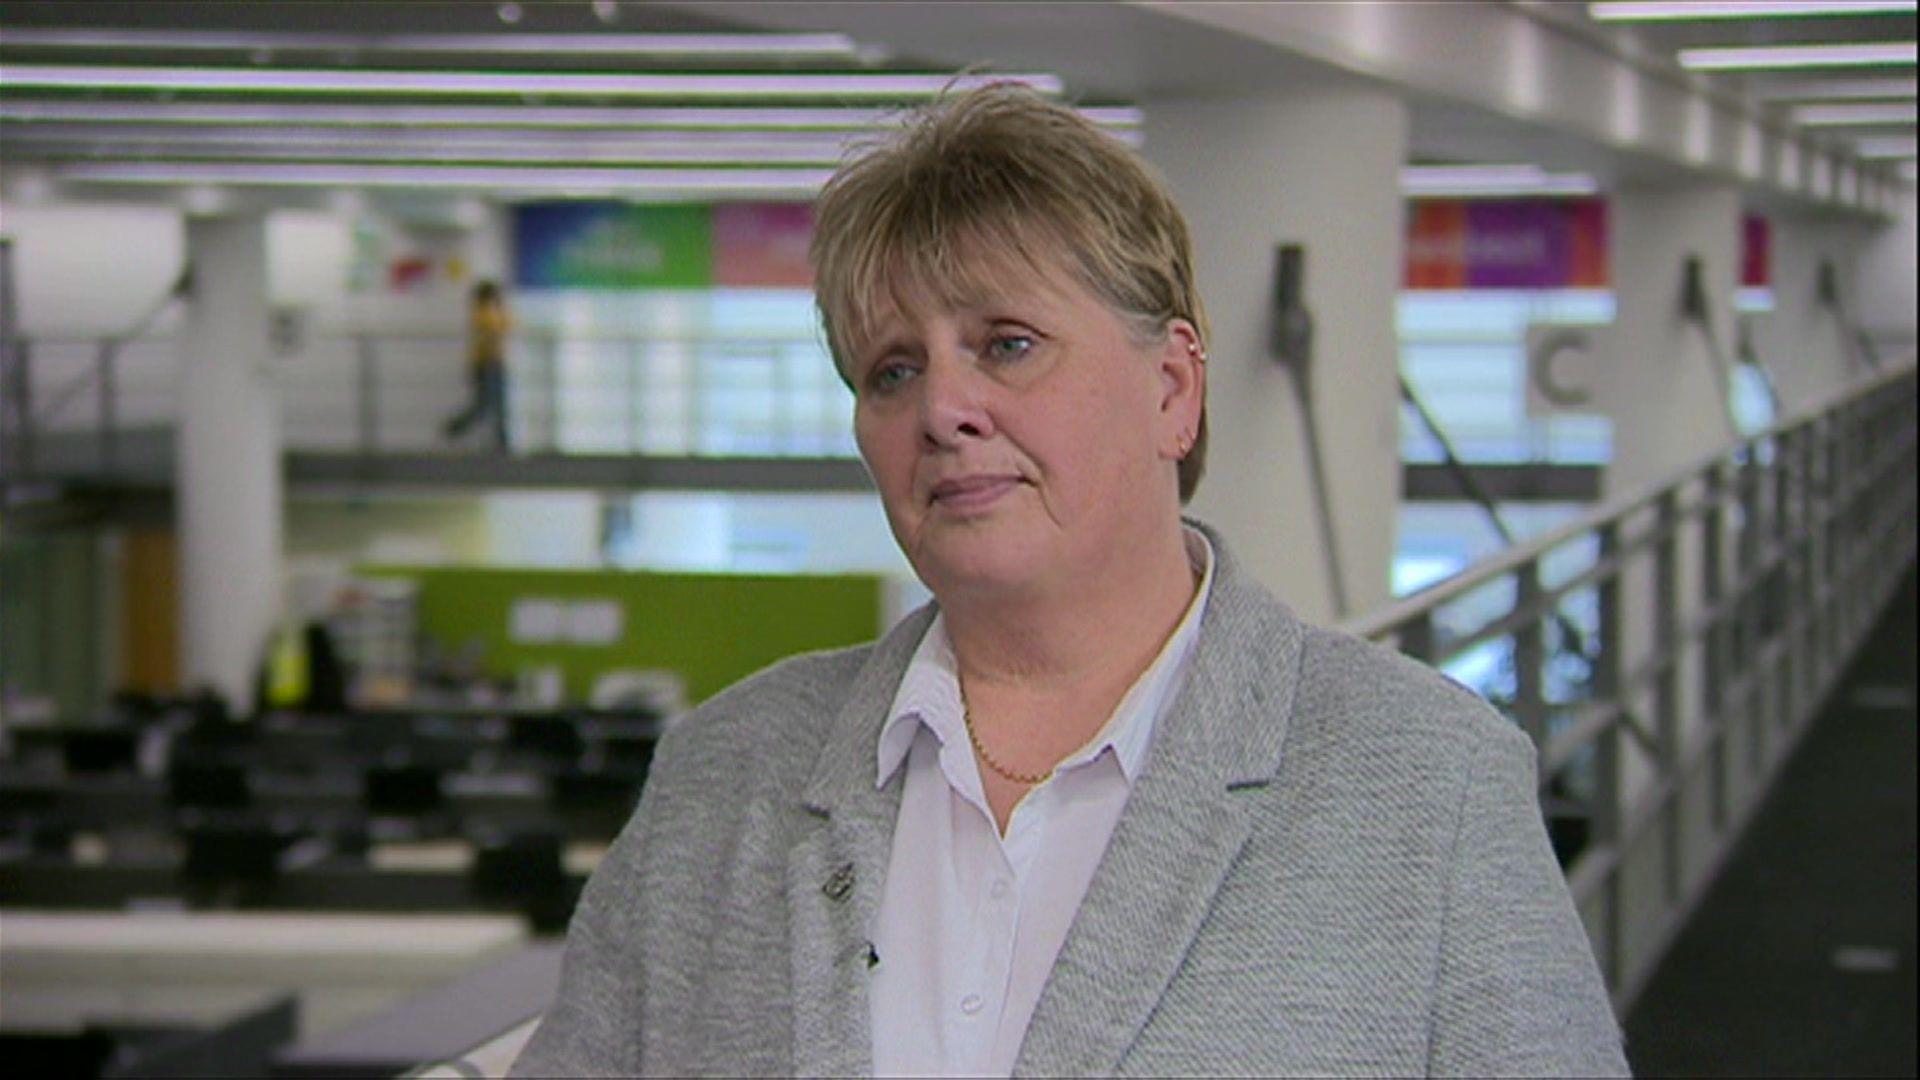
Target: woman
column 487, row 326
column 1106, row 805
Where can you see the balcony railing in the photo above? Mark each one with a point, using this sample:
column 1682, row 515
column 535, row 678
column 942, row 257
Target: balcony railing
column 1666, row 650
column 75, row 406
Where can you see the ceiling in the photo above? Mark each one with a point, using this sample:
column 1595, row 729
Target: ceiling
column 511, row 100
column 1874, row 102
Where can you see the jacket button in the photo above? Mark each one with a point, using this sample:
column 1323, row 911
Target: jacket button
column 840, row 885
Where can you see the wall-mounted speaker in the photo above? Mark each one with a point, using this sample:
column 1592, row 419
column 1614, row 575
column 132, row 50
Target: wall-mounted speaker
column 1292, row 342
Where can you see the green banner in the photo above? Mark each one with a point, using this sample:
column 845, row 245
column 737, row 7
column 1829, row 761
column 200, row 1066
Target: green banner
column 611, row 245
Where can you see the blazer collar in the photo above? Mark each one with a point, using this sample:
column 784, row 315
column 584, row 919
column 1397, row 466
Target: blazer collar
column 1184, row 824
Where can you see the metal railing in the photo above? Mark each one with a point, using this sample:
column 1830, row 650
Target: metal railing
column 1720, row 606
column 79, row 402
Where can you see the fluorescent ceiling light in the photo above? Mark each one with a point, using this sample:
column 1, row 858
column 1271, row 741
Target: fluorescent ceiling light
column 1736, row 9
column 363, row 81
column 1855, row 113
column 1465, row 181
column 386, row 144
column 1892, row 148
column 781, row 46
column 1839, row 90
column 1751, row 58
column 460, row 144
column 583, row 180
column 499, row 116
column 683, row 118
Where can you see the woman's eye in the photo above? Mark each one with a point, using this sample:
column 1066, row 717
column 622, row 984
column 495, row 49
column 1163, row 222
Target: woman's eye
column 1009, row 346
column 888, row 375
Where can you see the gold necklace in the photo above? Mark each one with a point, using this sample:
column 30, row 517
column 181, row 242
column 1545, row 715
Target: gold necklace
column 1028, row 779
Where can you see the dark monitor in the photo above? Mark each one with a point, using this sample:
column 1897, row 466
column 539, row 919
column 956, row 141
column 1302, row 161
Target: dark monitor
column 546, row 736
column 233, row 852
column 402, row 790
column 518, row 869
column 208, row 785
column 100, row 750
column 631, row 755
column 605, row 799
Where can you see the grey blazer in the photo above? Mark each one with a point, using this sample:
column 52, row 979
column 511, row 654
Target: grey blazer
column 1333, row 863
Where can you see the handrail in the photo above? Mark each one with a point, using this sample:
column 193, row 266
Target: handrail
column 1383, row 620
column 1726, row 599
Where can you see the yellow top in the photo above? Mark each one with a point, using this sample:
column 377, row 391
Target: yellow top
column 488, row 334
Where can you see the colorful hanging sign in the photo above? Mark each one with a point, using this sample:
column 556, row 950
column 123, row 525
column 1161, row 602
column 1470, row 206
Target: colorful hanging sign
column 762, row 245
column 1507, row 244
column 612, row 245
column 1756, row 252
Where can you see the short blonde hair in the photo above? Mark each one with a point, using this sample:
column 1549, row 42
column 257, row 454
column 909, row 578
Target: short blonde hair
column 996, row 179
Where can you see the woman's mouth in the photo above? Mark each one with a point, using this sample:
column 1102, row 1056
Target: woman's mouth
column 972, row 492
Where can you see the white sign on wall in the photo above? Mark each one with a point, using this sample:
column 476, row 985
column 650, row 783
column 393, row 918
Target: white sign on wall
column 542, row 621
column 1567, row 369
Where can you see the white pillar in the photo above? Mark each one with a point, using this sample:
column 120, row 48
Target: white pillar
column 1803, row 341
column 227, row 473
column 1318, row 166
column 1665, row 396
column 1884, row 305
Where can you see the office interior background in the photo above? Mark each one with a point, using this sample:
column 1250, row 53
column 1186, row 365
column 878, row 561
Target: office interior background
column 314, row 714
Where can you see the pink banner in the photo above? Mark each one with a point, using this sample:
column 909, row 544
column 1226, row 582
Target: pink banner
column 762, row 245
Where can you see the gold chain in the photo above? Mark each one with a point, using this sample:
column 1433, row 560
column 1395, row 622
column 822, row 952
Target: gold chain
column 1029, row 779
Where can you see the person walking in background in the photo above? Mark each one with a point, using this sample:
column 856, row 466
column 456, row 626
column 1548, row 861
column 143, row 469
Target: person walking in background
column 487, row 327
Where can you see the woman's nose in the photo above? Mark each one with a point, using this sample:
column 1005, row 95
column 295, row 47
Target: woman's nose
column 953, row 405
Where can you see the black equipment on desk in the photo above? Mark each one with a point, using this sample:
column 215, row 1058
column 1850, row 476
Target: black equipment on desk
column 402, row 790
column 99, row 750
column 246, row 852
column 208, row 785
column 524, row 870
column 557, row 739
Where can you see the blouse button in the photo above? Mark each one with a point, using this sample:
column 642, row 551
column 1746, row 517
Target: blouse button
column 971, row 1004
column 999, row 889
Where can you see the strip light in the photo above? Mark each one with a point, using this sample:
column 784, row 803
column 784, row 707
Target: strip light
column 1856, row 113
column 1893, row 148
column 1745, row 58
column 1840, row 90
column 781, row 46
column 256, row 144
column 581, row 180
column 1627, row 11
column 361, row 81
column 682, row 118
column 389, row 144
column 1477, row 181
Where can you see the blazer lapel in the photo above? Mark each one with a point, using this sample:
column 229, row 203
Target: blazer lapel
column 837, row 865
column 1175, row 843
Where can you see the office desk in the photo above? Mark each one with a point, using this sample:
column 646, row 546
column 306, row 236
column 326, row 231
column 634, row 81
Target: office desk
column 196, row 967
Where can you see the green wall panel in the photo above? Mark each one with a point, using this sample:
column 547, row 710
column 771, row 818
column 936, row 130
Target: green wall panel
column 712, row 628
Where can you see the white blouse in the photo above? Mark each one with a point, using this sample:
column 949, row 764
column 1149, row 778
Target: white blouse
column 969, row 921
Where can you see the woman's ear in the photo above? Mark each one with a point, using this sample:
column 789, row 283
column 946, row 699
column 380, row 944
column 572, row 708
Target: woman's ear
column 1183, row 385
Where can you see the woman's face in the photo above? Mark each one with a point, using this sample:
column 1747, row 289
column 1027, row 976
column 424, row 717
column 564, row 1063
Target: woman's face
column 1026, row 441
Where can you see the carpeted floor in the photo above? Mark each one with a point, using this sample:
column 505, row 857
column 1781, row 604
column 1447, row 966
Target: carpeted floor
column 1800, row 961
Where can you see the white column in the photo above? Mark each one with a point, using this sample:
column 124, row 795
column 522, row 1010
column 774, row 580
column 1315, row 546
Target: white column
column 227, row 472
column 1884, row 305
column 1668, row 403
column 1803, row 341
column 1318, row 166
column 1665, row 396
